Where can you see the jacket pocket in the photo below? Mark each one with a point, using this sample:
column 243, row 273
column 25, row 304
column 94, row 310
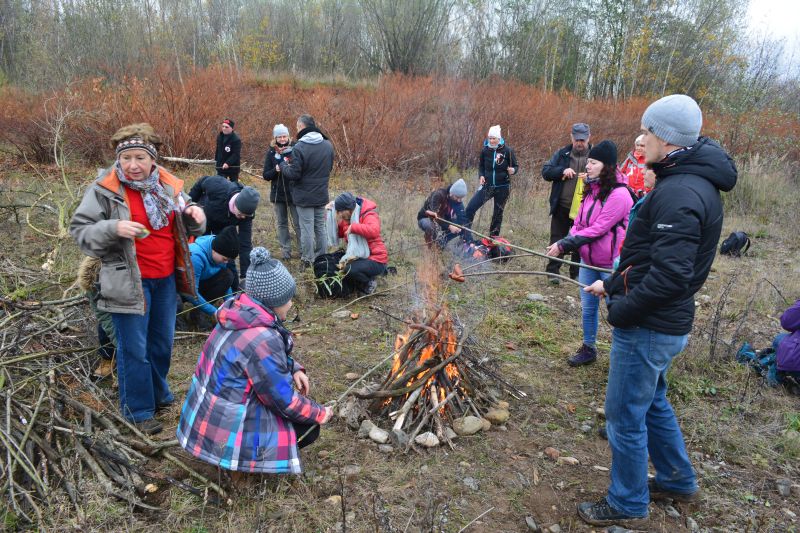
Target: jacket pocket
column 117, row 288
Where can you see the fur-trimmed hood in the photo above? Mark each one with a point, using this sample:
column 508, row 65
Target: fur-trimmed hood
column 88, row 273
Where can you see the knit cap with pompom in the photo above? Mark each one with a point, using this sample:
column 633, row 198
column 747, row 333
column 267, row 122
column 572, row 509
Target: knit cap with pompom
column 267, row 280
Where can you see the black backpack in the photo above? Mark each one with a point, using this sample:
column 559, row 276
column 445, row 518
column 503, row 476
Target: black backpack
column 635, row 197
column 736, row 245
column 328, row 278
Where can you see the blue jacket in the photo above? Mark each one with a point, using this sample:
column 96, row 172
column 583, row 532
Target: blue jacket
column 204, row 268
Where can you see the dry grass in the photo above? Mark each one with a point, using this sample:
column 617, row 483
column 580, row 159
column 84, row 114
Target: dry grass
column 728, row 415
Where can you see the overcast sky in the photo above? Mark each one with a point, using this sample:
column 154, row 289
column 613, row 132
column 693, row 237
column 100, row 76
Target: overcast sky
column 778, row 18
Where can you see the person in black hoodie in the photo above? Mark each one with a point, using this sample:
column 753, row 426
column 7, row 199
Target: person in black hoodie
column 666, row 258
column 228, row 155
column 497, row 163
column 280, row 192
column 309, row 171
column 228, row 204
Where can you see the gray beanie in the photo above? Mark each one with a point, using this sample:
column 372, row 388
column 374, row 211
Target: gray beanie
column 279, row 130
column 676, row 119
column 247, row 201
column 345, row 202
column 267, row 280
column 459, row 188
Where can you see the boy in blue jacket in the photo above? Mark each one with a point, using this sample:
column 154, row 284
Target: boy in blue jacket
column 214, row 280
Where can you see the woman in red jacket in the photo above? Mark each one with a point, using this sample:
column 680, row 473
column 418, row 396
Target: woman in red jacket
column 361, row 273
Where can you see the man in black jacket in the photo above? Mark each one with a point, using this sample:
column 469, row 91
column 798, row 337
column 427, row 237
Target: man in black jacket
column 668, row 252
column 226, row 204
column 563, row 169
column 228, row 155
column 309, row 172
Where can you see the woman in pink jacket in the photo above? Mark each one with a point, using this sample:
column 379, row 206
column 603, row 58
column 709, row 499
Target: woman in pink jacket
column 598, row 229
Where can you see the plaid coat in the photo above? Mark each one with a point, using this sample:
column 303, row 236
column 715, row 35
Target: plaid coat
column 240, row 407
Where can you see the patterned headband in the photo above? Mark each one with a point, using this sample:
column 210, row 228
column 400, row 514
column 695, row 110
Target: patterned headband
column 134, row 143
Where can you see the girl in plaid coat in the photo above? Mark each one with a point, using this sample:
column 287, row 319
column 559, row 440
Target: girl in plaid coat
column 247, row 405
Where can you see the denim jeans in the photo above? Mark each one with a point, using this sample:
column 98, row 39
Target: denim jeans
column 639, row 419
column 590, row 304
column 144, row 350
column 313, row 241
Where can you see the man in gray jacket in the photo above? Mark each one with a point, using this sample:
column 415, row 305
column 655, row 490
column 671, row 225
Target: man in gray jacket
column 309, row 171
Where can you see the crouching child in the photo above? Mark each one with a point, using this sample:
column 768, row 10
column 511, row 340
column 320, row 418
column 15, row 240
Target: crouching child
column 248, row 402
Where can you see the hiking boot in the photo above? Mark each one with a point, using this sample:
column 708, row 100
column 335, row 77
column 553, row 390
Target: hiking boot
column 602, row 514
column 555, row 282
column 286, row 255
column 584, row 356
column 659, row 494
column 104, row 369
column 161, row 407
column 151, row 426
column 372, row 285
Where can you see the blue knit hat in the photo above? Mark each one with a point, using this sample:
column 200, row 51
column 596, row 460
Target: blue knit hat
column 267, row 280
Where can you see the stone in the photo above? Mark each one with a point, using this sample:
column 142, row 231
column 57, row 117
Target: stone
column 449, row 433
column 485, row 424
column 351, row 376
column 342, row 313
column 671, row 512
column 600, row 468
column 572, row 461
column 618, row 529
column 552, row 453
column 427, row 440
column 471, row 483
column 535, row 297
column 691, row 524
column 571, row 300
column 385, row 448
column 424, row 469
column 555, row 528
column 497, row 416
column 365, row 428
column 796, row 490
column 464, row 464
column 399, row 438
column 469, row 425
column 698, row 456
column 532, row 525
column 586, row 428
column 334, row 500
column 791, row 514
column 379, row 435
column 784, row 487
column 323, row 454
column 503, row 405
column 351, row 471
column 600, row 412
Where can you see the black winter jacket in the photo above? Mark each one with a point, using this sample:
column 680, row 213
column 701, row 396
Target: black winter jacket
column 214, row 193
column 280, row 189
column 553, row 170
column 494, row 163
column 671, row 244
column 309, row 169
column 229, row 150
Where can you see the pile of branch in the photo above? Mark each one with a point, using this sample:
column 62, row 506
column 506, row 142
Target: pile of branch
column 437, row 376
column 60, row 435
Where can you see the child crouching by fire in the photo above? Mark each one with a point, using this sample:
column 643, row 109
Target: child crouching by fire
column 248, row 402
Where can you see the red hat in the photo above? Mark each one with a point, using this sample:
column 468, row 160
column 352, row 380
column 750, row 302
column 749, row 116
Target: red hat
column 229, row 122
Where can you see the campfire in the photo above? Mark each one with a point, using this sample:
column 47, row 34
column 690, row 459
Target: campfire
column 438, row 385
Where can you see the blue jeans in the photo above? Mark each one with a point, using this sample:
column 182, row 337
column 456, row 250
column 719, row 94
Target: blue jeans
column 590, row 304
column 639, row 419
column 144, row 351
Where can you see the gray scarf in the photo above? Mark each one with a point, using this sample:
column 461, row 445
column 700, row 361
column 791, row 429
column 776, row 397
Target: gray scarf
column 157, row 203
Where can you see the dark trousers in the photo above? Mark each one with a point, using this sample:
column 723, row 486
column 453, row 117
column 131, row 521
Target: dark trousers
column 216, row 287
column 361, row 271
column 560, row 224
column 300, row 430
column 106, row 348
column 483, row 195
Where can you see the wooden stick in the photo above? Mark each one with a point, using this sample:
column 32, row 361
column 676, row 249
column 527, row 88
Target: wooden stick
column 526, row 273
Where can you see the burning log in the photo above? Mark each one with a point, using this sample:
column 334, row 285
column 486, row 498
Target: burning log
column 436, row 377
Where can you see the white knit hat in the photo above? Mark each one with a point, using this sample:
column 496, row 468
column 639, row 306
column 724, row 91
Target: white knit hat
column 494, row 131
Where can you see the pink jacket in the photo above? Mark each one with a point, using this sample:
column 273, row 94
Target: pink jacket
column 600, row 226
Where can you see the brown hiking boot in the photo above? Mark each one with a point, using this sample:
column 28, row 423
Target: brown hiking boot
column 658, row 494
column 150, row 426
column 104, row 369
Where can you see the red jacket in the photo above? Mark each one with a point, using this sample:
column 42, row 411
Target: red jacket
column 369, row 227
column 634, row 167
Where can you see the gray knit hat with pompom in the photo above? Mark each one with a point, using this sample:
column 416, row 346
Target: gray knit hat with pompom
column 267, row 280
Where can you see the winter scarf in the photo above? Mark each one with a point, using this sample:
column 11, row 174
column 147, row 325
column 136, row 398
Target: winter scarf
column 157, row 203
